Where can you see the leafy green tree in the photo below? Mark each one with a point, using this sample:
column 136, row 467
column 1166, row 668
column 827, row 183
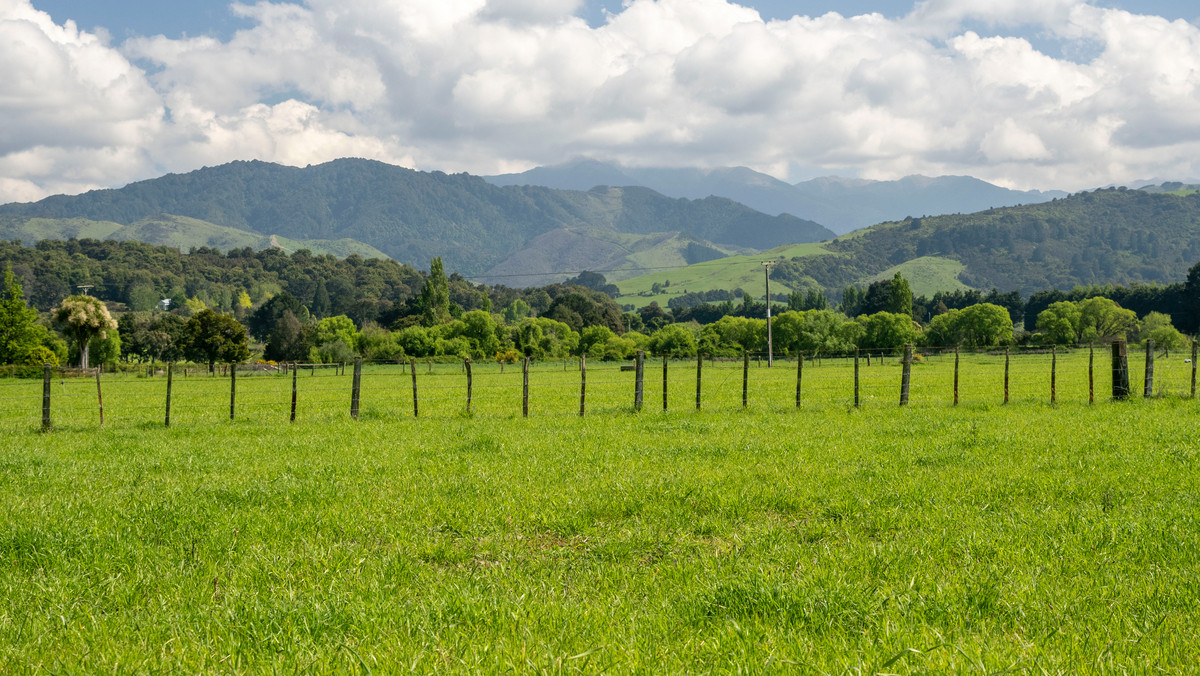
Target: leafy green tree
column 1060, row 323
column 291, row 340
column 899, row 296
column 18, row 335
column 979, row 325
column 81, row 319
column 434, row 301
column 516, row 311
column 479, row 329
column 106, row 350
column 1102, row 319
column 593, row 339
column 213, row 337
column 1157, row 326
column 673, row 340
column 263, row 320
column 814, row 332
column 886, row 330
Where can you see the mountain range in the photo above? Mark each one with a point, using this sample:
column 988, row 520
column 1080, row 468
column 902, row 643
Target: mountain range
column 840, row 204
column 414, row 216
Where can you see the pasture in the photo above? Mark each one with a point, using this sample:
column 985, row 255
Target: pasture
column 1026, row 538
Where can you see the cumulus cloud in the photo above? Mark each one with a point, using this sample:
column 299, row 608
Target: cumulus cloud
column 488, row 86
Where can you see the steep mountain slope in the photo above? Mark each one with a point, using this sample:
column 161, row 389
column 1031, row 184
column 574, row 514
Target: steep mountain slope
column 413, row 216
column 840, row 204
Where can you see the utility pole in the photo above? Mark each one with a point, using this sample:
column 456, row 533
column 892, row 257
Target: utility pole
column 85, row 288
column 770, row 346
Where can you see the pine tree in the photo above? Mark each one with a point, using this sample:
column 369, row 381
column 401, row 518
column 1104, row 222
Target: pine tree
column 435, row 296
column 17, row 321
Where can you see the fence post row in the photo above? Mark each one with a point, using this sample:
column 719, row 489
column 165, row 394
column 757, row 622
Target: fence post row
column 1120, row 371
column 906, row 374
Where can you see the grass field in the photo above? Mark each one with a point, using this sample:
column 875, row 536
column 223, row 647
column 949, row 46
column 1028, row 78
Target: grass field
column 726, row 274
column 1026, row 538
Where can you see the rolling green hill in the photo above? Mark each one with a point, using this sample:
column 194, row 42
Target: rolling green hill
column 413, row 216
column 174, row 231
column 1110, row 236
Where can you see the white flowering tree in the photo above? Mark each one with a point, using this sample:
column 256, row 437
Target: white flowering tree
column 82, row 318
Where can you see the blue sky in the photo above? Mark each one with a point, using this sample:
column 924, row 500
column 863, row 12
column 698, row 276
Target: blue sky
column 125, row 18
column 1052, row 94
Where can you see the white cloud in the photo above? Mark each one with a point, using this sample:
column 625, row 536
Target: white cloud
column 497, row 85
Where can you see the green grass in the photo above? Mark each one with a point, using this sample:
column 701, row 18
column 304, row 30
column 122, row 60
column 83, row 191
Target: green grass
column 728, row 273
column 934, row 539
column 926, row 275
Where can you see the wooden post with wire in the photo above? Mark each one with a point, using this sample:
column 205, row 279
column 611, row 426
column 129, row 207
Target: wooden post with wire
column 956, row 376
column 637, row 380
column 295, row 373
column 46, row 375
column 232, row 389
column 467, row 368
column 1120, row 371
column 1053, row 374
column 582, row 384
column 1006, row 363
column 413, row 368
column 100, row 397
column 856, row 395
column 1193, row 369
column 1091, row 374
column 355, row 388
column 906, row 374
column 745, row 380
column 799, row 375
column 167, row 416
column 525, row 388
column 664, row 382
column 699, row 368
column 1148, row 387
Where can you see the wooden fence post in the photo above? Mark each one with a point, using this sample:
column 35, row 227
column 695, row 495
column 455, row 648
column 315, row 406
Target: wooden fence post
column 1120, row 370
column 664, row 382
column 355, row 388
column 856, row 395
column 582, row 384
column 745, row 379
column 100, row 397
column 1091, row 374
column 799, row 375
column 1053, row 374
column 699, row 367
column 467, row 368
column 1006, row 362
column 906, row 374
column 413, row 364
column 525, row 388
column 295, row 372
column 46, row 375
column 1148, row 389
column 232, row 389
column 637, row 380
column 1193, row 369
column 956, row 376
column 167, row 417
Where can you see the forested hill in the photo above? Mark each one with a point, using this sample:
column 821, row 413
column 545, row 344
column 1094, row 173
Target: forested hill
column 1109, row 236
column 413, row 216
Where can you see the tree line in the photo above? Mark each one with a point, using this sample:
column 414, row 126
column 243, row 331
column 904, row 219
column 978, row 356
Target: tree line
column 307, row 308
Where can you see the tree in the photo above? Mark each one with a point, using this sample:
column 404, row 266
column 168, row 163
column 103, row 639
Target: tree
column 1059, row 323
column 886, row 330
column 899, row 296
column 81, row 319
column 213, row 337
column 434, row 300
column 17, row 321
column 1157, row 326
column 290, row 341
column 262, row 322
column 673, row 340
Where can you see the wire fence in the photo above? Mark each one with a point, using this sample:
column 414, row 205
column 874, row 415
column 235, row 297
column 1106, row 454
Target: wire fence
column 276, row 394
